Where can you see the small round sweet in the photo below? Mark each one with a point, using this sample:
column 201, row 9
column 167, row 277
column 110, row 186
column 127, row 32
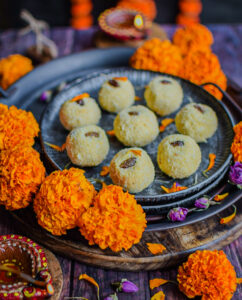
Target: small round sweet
column 163, row 95
column 84, row 111
column 132, row 169
column 116, row 94
column 87, row 146
column 199, row 121
column 179, row 156
column 136, row 126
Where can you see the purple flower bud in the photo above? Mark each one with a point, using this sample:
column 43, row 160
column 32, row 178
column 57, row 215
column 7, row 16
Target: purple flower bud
column 177, row 214
column 128, row 286
column 202, row 203
column 46, row 96
column 235, row 174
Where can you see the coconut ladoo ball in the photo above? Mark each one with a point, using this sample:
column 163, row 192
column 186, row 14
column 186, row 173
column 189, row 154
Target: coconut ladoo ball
column 178, row 156
column 132, row 169
column 136, row 126
column 163, row 95
column 116, row 94
column 79, row 111
column 87, row 146
column 199, row 121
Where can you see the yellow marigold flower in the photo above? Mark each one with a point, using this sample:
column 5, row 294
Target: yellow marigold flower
column 203, row 66
column 115, row 221
column 157, row 55
column 62, row 198
column 12, row 68
column 17, row 127
column 208, row 274
column 193, row 37
column 21, row 173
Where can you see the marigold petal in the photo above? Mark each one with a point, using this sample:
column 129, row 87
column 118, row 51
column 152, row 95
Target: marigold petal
column 158, row 296
column 156, row 282
column 156, row 248
column 221, row 197
column 229, row 218
column 91, row 280
column 105, row 171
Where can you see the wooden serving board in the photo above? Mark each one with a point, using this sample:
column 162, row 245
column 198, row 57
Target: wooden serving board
column 179, row 242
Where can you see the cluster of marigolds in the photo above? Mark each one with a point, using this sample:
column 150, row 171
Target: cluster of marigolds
column 188, row 56
column 64, row 199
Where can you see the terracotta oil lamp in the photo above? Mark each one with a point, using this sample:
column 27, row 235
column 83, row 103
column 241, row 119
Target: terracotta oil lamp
column 124, row 24
column 24, row 271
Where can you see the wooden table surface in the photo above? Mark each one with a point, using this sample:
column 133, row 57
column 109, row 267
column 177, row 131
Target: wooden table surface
column 228, row 47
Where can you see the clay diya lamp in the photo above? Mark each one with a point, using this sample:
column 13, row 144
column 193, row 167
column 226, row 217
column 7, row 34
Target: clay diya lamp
column 124, row 24
column 24, row 271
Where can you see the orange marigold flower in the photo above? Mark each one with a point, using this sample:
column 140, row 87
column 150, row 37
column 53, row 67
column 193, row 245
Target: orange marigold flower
column 203, row 66
column 12, row 68
column 21, row 173
column 236, row 147
column 17, row 128
column 62, row 198
column 208, row 274
column 193, row 37
column 157, row 55
column 115, row 221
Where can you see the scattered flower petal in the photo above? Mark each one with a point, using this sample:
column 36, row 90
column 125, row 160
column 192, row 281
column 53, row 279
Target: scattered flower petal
column 155, row 248
column 229, row 218
column 80, row 97
column 212, row 158
column 221, row 197
column 57, row 148
column 175, row 188
column 111, row 132
column 105, row 171
column 136, row 152
column 156, row 282
column 158, row 296
column 137, row 98
column 124, row 78
column 165, row 123
column 91, row 280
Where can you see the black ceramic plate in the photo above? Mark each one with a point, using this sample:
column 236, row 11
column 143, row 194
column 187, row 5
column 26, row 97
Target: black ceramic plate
column 53, row 132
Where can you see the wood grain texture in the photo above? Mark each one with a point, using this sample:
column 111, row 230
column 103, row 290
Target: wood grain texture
column 180, row 242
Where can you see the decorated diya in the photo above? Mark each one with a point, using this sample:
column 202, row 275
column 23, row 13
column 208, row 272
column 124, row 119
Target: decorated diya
column 24, row 270
column 124, row 24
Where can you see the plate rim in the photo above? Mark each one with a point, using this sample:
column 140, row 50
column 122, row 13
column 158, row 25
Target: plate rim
column 146, row 198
